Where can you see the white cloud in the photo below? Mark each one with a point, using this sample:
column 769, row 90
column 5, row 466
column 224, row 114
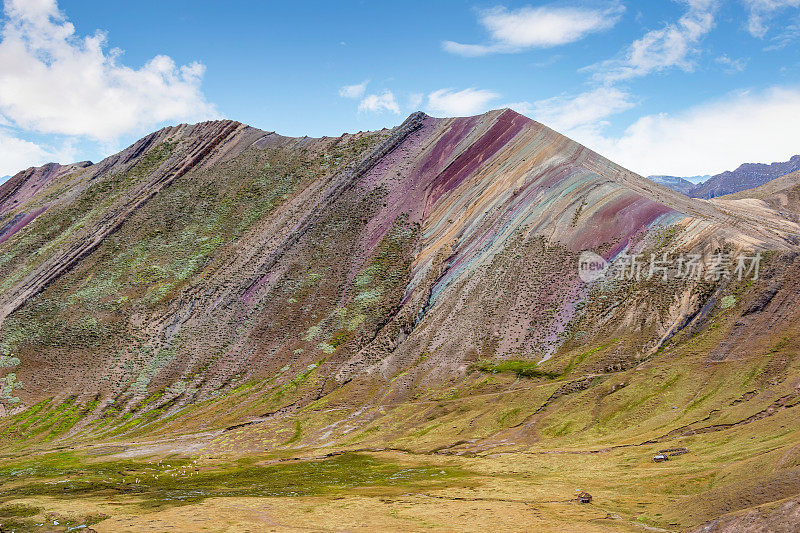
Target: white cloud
column 18, row 154
column 52, row 81
column 787, row 36
column 376, row 103
column 523, row 108
column 588, row 109
column 732, row 65
column 537, row 27
column 709, row 138
column 761, row 11
column 472, row 50
column 354, row 91
column 415, row 101
column 674, row 45
column 450, row 103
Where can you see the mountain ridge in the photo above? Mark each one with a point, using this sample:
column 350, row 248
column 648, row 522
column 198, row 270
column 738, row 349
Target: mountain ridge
column 211, row 142
column 417, row 288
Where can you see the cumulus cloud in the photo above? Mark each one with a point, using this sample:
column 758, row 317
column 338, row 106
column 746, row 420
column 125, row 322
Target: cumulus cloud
column 709, row 138
column 449, row 102
column 537, row 27
column 354, row 91
column 674, row 45
column 760, row 12
column 53, row 81
column 376, row 103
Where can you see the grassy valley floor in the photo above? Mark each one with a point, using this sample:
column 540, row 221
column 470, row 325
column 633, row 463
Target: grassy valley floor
column 162, row 486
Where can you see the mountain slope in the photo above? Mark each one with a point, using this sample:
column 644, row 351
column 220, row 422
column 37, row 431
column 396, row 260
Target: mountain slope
column 448, row 193
column 393, row 288
column 780, row 193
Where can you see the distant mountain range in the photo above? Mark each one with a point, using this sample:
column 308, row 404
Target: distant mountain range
column 747, row 176
column 675, row 183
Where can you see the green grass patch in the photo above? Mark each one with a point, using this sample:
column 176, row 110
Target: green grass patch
column 180, row 481
column 298, row 432
column 580, row 358
column 523, row 369
column 18, row 510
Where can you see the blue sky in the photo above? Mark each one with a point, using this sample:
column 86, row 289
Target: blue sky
column 681, row 87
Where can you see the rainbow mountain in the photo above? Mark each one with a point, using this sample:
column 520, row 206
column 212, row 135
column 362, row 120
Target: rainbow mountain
column 222, row 292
